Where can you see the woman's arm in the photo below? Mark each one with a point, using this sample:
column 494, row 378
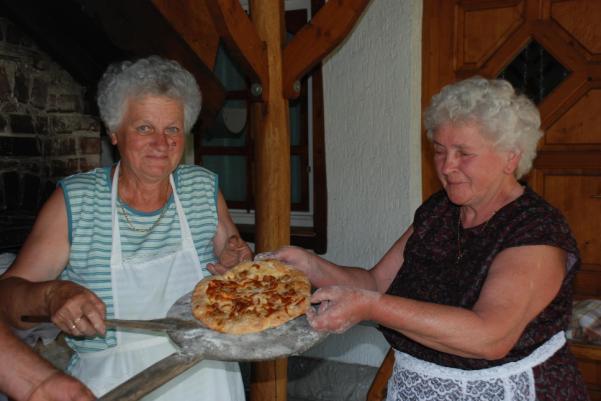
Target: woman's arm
column 29, row 287
column 24, row 375
column 323, row 273
column 229, row 248
column 388, row 267
column 45, row 253
column 24, row 287
column 521, row 282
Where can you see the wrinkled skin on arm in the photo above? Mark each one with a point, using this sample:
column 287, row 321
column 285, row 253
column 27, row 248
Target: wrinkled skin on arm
column 345, row 294
column 323, row 273
column 229, row 248
column 28, row 377
column 61, row 387
column 521, row 282
column 30, row 286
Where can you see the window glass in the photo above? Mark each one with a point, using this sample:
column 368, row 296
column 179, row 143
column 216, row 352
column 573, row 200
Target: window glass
column 227, row 72
column 232, row 175
column 230, row 127
column 295, row 179
column 228, row 139
column 295, row 122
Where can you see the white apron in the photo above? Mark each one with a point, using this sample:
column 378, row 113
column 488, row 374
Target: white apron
column 145, row 288
column 416, row 380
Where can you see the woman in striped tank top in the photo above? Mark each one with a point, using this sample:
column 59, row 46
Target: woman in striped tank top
column 129, row 240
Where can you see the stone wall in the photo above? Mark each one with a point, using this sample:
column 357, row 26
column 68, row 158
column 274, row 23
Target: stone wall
column 46, row 131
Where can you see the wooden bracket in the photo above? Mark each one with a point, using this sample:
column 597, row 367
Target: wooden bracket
column 139, row 27
column 314, row 41
column 191, row 19
column 242, row 41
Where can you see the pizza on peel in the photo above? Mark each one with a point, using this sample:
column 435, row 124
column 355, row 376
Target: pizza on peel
column 251, row 297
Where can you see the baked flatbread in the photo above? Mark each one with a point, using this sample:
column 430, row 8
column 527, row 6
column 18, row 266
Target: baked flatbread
column 251, row 297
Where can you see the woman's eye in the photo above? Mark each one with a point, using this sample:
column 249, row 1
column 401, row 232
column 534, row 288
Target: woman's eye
column 172, row 130
column 144, row 129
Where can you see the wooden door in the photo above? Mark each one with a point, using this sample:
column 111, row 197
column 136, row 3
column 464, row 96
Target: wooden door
column 462, row 38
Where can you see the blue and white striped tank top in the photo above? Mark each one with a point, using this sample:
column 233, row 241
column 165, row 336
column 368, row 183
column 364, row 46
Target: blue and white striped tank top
column 88, row 201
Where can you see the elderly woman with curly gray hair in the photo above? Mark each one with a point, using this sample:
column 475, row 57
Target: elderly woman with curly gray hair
column 475, row 296
column 127, row 241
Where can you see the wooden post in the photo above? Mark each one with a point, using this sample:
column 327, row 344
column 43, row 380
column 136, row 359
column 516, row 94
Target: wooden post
column 272, row 192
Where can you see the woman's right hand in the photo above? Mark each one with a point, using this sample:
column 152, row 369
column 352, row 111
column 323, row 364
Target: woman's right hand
column 75, row 309
column 296, row 257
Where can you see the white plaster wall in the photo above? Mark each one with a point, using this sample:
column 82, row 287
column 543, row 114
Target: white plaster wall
column 372, row 87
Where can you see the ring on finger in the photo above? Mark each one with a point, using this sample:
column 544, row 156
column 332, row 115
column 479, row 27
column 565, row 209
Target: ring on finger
column 73, row 326
column 77, row 320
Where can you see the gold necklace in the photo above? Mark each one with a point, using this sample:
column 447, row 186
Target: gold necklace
column 143, row 230
column 459, row 250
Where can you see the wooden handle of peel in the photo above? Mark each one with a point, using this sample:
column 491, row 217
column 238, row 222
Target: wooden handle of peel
column 152, row 377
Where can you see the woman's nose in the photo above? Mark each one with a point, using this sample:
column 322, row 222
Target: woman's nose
column 163, row 140
column 448, row 164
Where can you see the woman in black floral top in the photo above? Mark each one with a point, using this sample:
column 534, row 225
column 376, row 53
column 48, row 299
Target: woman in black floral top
column 476, row 294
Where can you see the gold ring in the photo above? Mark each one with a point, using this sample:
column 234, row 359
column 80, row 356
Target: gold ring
column 73, row 326
column 77, row 320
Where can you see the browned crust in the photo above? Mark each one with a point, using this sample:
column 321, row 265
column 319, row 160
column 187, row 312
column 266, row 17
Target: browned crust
column 251, row 297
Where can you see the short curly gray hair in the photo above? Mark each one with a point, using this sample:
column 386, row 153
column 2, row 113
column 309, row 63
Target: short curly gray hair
column 510, row 120
column 153, row 75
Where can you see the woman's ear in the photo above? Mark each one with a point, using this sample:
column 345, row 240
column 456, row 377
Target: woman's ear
column 513, row 159
column 113, row 138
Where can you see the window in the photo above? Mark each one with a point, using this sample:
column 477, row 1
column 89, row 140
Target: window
column 227, row 148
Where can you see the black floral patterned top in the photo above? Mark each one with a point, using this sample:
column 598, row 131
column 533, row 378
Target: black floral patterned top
column 432, row 272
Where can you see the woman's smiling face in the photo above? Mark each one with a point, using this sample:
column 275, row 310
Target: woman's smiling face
column 468, row 165
column 151, row 136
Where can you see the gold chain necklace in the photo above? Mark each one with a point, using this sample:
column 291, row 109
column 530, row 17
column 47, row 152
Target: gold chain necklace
column 459, row 250
column 143, row 230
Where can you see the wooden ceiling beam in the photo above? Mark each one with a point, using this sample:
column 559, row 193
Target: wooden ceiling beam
column 139, row 27
column 191, row 19
column 242, row 41
column 326, row 30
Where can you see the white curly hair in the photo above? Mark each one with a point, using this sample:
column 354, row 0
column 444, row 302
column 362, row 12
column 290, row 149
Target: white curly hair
column 510, row 120
column 153, row 75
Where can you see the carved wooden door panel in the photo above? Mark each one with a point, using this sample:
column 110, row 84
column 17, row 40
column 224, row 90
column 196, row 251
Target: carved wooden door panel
column 495, row 38
column 551, row 50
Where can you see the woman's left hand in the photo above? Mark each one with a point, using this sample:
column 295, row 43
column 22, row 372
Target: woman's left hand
column 340, row 308
column 235, row 251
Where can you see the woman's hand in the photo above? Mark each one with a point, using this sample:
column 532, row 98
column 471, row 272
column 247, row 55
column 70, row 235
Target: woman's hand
column 75, row 309
column 296, row 257
column 236, row 250
column 341, row 308
column 61, row 387
column 291, row 255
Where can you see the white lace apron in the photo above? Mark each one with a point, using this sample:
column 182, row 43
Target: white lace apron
column 417, row 380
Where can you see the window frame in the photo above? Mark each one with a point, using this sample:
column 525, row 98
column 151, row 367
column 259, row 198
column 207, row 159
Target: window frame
column 308, row 227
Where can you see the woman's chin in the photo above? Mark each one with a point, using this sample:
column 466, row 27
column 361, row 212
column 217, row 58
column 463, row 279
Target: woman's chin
column 456, row 196
column 158, row 171
column 159, row 164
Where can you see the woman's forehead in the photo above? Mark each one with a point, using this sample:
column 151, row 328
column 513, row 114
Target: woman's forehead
column 469, row 131
column 149, row 98
column 150, row 106
column 469, row 136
